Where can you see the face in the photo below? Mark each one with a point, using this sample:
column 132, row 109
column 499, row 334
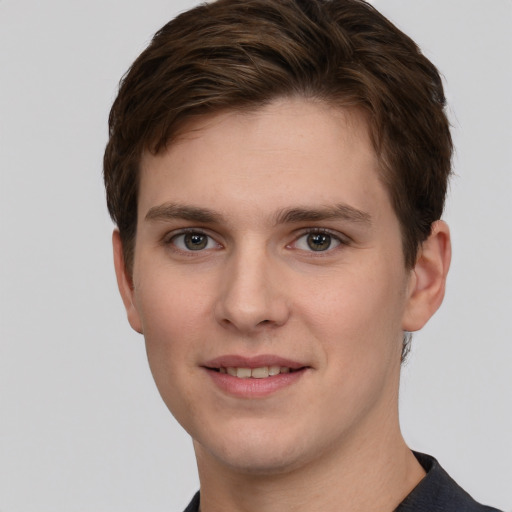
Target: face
column 270, row 285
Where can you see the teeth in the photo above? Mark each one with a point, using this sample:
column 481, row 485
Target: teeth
column 256, row 373
column 243, row 373
column 259, row 373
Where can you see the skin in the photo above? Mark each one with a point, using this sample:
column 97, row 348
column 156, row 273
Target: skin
column 332, row 438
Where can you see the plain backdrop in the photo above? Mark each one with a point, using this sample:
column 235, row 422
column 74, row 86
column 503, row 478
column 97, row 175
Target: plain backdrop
column 82, row 427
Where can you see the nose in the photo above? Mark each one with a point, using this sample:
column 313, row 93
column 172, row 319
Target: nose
column 252, row 294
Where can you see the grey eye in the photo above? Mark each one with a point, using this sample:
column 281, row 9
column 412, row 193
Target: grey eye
column 319, row 241
column 193, row 241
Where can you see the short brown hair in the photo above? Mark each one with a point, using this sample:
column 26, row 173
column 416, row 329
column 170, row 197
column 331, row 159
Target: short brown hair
column 241, row 54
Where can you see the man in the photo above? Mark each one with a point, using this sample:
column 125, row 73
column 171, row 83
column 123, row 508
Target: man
column 277, row 171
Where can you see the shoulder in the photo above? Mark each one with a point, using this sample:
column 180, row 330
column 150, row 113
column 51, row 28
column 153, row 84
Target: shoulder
column 438, row 492
column 193, row 506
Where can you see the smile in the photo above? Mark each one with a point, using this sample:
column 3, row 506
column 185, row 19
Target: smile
column 254, row 377
column 262, row 372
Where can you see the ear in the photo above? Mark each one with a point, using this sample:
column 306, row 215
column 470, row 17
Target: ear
column 125, row 283
column 428, row 278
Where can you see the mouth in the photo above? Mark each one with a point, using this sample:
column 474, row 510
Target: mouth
column 254, row 377
column 261, row 372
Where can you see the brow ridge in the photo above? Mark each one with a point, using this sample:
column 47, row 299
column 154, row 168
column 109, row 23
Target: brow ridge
column 169, row 211
column 306, row 214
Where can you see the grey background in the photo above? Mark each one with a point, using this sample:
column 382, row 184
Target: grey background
column 82, row 427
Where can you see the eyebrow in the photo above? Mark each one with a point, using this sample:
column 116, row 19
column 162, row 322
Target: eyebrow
column 170, row 211
column 336, row 212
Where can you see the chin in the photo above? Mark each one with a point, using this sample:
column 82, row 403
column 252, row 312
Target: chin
column 255, row 453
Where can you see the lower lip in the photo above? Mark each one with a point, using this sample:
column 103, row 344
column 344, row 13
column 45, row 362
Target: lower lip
column 254, row 388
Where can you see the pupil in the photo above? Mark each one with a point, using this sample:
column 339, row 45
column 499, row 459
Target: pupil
column 195, row 241
column 319, row 241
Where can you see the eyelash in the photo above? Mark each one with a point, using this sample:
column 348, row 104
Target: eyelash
column 170, row 240
column 334, row 236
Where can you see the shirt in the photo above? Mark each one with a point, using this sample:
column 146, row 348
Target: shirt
column 436, row 492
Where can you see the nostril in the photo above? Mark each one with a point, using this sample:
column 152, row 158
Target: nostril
column 250, row 310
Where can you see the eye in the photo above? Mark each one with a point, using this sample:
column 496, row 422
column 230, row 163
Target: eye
column 193, row 241
column 317, row 241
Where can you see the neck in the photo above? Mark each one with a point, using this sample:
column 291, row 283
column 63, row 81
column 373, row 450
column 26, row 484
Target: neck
column 374, row 472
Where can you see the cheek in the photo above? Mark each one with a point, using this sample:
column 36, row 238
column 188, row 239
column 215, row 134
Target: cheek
column 358, row 324
column 173, row 313
column 171, row 304
column 171, row 332
column 357, row 315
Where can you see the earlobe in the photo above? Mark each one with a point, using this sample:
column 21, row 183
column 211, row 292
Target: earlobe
column 125, row 283
column 428, row 279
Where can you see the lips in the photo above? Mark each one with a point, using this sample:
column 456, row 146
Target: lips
column 262, row 372
column 256, row 362
column 252, row 377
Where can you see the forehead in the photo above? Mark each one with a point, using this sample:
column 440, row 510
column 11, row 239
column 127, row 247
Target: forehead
column 288, row 152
